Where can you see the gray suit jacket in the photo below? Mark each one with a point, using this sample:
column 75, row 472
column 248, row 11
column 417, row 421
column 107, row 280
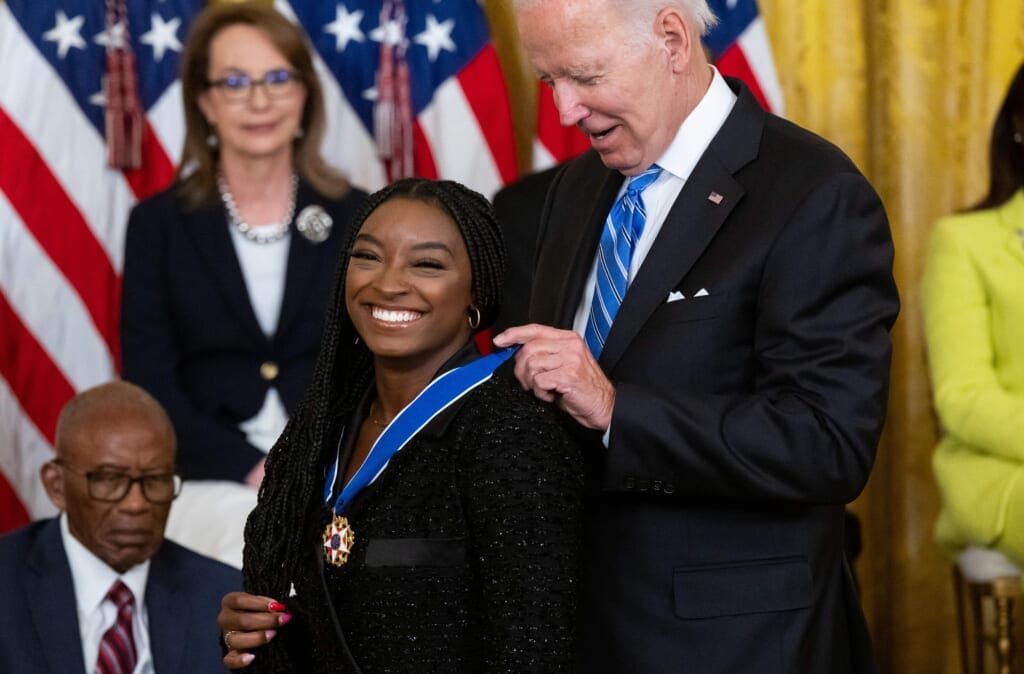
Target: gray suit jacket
column 39, row 623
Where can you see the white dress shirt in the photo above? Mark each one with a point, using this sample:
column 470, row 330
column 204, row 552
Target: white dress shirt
column 92, row 579
column 264, row 267
column 677, row 163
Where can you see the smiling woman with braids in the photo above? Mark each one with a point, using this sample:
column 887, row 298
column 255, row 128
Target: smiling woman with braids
column 417, row 514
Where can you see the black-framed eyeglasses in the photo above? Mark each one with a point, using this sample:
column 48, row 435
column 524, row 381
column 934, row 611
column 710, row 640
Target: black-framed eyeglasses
column 239, row 87
column 112, row 485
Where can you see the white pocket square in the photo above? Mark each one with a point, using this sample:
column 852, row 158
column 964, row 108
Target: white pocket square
column 674, row 296
column 701, row 293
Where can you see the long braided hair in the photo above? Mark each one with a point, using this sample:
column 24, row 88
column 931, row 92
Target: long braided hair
column 277, row 543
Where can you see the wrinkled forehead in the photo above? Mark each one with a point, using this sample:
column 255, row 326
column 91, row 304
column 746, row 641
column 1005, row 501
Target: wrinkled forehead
column 134, row 438
column 558, row 39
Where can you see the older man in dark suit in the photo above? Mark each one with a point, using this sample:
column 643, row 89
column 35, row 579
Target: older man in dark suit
column 98, row 589
column 712, row 300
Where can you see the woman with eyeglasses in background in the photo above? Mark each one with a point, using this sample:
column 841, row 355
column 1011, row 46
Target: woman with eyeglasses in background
column 227, row 272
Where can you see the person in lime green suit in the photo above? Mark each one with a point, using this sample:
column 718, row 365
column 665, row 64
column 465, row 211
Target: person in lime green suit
column 973, row 294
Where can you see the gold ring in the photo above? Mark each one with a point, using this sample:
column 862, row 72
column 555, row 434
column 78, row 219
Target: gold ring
column 227, row 639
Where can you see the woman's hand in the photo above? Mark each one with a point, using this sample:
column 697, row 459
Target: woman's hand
column 248, row 621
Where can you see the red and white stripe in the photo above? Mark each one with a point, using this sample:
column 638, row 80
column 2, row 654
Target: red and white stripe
column 750, row 59
column 62, row 220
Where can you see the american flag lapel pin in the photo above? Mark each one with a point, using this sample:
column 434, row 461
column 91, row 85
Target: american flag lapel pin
column 715, row 198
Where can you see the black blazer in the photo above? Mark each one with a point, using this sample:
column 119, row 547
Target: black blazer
column 745, row 419
column 466, row 550
column 189, row 335
column 39, row 617
column 518, row 207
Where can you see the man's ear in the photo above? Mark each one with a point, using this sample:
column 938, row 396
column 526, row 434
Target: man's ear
column 53, row 480
column 677, row 36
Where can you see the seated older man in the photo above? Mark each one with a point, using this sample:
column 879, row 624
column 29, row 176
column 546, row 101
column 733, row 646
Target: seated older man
column 98, row 589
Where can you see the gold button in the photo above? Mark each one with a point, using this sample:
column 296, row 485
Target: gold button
column 269, row 370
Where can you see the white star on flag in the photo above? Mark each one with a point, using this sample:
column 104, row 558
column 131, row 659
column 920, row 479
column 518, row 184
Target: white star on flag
column 66, row 33
column 345, row 27
column 390, row 33
column 115, row 37
column 162, row 35
column 436, row 37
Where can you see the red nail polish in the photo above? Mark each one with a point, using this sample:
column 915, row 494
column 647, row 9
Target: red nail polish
column 276, row 606
column 284, row 619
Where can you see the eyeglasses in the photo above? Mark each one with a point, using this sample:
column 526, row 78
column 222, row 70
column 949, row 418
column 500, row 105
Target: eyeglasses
column 239, row 87
column 112, row 486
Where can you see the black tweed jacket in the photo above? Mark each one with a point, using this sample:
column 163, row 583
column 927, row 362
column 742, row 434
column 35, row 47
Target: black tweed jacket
column 466, row 551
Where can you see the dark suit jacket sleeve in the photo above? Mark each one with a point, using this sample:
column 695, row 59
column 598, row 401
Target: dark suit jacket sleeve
column 151, row 355
column 807, row 429
column 183, row 598
column 518, row 208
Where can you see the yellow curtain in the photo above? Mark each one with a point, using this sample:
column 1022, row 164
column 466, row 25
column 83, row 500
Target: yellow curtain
column 909, row 90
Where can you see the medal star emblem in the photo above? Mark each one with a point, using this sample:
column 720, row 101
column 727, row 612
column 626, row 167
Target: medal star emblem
column 338, row 541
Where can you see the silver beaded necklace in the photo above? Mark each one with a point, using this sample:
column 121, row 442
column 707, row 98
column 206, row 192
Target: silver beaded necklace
column 262, row 234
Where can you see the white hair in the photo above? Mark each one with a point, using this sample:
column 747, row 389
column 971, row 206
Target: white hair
column 642, row 12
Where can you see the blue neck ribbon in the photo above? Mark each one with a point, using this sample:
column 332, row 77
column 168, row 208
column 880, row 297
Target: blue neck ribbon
column 434, row 399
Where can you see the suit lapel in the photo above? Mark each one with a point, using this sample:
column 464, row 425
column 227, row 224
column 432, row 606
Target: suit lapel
column 207, row 229
column 691, row 224
column 569, row 249
column 169, row 624
column 53, row 607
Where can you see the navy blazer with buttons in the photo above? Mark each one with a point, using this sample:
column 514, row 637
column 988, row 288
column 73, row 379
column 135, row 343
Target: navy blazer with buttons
column 190, row 337
column 745, row 416
column 39, row 629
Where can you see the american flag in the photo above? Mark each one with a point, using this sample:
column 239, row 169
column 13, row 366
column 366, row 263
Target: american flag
column 739, row 47
column 63, row 212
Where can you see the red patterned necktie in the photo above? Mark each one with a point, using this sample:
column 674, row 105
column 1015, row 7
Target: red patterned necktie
column 117, row 648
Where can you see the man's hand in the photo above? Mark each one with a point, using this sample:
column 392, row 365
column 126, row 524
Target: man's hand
column 557, row 367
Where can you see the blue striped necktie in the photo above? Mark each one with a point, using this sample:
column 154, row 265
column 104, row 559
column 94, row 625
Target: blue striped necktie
column 622, row 230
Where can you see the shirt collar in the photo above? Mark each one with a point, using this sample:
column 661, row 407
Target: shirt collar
column 699, row 128
column 92, row 577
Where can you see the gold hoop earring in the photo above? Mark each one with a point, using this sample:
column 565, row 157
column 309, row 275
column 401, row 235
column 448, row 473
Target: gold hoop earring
column 474, row 324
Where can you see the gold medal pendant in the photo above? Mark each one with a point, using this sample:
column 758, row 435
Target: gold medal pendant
column 338, row 540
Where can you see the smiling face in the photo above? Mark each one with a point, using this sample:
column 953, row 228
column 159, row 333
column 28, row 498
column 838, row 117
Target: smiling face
column 260, row 126
column 620, row 90
column 408, row 287
column 127, row 440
